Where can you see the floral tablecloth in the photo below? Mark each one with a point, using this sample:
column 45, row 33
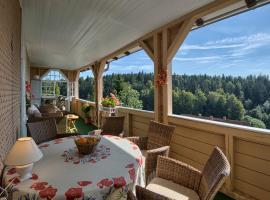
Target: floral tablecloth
column 108, row 173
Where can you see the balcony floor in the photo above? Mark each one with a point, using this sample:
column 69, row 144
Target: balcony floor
column 84, row 128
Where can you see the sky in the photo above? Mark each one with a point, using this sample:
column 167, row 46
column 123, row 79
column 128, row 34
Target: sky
column 237, row 46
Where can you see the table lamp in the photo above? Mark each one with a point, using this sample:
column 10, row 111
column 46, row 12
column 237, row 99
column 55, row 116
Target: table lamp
column 22, row 155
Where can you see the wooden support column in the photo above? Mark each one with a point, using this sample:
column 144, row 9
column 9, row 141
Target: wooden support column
column 161, row 48
column 98, row 69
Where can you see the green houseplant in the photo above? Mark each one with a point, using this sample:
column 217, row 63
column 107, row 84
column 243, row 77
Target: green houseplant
column 86, row 108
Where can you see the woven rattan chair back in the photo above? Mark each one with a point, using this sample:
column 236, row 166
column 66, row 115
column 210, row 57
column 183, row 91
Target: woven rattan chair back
column 159, row 135
column 113, row 125
column 217, row 168
column 42, row 131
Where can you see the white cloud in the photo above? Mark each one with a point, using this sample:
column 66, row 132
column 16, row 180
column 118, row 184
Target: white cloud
column 202, row 59
column 238, row 45
column 130, row 68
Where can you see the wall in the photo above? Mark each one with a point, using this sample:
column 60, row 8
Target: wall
column 10, row 41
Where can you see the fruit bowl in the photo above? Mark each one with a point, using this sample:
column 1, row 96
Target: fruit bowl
column 86, row 145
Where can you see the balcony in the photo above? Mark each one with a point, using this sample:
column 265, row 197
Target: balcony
column 67, row 38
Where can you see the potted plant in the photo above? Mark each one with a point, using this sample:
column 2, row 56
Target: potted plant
column 110, row 101
column 86, row 110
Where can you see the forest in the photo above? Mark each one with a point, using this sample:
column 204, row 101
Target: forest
column 236, row 98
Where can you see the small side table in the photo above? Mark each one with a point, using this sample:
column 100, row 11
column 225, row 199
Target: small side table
column 70, row 126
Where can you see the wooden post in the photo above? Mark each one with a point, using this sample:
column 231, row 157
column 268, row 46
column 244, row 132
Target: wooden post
column 98, row 69
column 161, row 48
column 76, row 84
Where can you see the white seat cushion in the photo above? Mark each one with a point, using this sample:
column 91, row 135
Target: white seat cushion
column 171, row 190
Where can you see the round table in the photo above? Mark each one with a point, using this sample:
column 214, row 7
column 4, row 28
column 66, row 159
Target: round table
column 111, row 170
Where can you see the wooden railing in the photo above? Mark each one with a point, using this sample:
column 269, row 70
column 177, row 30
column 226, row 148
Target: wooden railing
column 247, row 148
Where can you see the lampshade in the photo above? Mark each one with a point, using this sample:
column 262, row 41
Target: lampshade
column 24, row 151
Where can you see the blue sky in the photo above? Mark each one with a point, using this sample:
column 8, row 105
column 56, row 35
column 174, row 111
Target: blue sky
column 237, row 46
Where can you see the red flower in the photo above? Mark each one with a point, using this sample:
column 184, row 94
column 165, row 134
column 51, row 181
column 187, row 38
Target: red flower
column 11, row 171
column 119, row 182
column 135, row 147
column 104, row 182
column 73, row 193
column 132, row 174
column 139, row 160
column 34, row 176
column 39, row 186
column 84, row 183
column 15, row 180
column 131, row 165
column 48, row 193
column 58, row 141
column 43, row 145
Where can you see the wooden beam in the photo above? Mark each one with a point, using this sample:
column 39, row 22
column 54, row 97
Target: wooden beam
column 180, row 37
column 147, row 49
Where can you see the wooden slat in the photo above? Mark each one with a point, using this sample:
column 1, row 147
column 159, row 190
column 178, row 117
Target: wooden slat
column 140, row 125
column 209, row 138
column 251, row 148
column 252, row 177
column 193, row 144
column 252, row 163
column 186, row 160
column 251, row 190
column 189, row 153
column 138, row 132
column 141, row 119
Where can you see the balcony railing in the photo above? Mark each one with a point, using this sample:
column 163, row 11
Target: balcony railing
column 247, row 148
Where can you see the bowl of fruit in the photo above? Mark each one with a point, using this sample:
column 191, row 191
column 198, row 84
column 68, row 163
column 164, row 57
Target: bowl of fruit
column 86, row 145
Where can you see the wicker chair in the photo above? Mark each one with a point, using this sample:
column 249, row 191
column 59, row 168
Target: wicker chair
column 177, row 180
column 111, row 126
column 156, row 143
column 46, row 130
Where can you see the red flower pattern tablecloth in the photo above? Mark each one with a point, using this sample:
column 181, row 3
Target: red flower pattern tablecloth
column 62, row 173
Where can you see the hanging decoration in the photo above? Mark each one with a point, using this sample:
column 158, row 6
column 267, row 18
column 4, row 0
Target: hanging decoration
column 162, row 78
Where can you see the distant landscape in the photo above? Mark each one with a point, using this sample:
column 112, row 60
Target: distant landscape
column 236, row 98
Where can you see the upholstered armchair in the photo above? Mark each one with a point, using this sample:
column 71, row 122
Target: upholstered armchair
column 155, row 144
column 177, row 180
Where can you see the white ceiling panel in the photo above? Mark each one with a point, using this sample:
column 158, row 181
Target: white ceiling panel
column 73, row 33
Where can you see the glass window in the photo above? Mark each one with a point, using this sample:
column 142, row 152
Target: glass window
column 53, row 84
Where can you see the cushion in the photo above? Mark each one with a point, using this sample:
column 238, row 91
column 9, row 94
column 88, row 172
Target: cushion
column 37, row 114
column 31, row 109
column 171, row 190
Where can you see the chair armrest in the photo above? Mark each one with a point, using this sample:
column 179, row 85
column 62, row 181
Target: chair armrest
column 140, row 141
column 151, row 161
column 95, row 132
column 178, row 172
column 122, row 134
